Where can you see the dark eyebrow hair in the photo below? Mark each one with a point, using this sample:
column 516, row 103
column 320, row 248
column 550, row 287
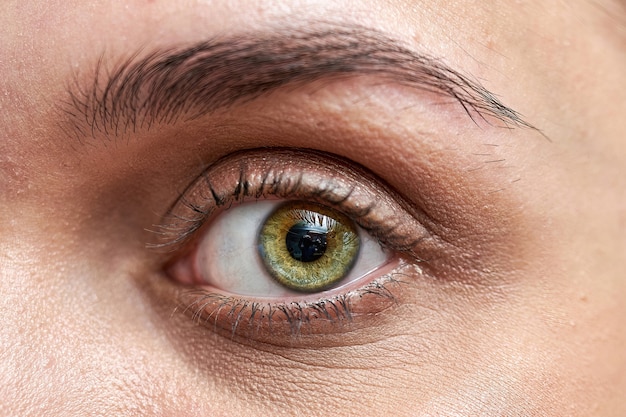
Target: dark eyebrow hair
column 166, row 85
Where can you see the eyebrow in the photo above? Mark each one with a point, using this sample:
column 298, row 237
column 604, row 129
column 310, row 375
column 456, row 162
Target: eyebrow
column 163, row 86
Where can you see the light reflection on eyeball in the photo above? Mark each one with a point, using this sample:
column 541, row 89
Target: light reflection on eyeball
column 232, row 256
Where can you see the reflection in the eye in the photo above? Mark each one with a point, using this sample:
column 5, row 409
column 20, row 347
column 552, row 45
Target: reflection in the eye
column 307, row 242
column 259, row 265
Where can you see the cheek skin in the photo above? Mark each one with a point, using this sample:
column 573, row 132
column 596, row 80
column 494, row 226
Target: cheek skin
column 81, row 340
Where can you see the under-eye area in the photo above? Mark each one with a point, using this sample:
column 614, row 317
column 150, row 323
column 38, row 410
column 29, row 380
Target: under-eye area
column 283, row 242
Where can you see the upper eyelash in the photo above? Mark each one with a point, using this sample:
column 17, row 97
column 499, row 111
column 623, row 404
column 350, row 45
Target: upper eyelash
column 180, row 229
column 194, row 224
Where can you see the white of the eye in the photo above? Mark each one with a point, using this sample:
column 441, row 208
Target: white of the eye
column 228, row 259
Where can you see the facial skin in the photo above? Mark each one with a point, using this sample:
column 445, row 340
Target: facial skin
column 516, row 309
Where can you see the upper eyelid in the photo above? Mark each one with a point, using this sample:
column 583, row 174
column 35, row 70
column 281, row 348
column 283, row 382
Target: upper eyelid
column 163, row 86
column 374, row 206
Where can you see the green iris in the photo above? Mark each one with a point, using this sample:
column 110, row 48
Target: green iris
column 308, row 247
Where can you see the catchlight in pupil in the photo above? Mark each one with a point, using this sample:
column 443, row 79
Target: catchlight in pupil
column 308, row 247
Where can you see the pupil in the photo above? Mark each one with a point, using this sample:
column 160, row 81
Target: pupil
column 306, row 242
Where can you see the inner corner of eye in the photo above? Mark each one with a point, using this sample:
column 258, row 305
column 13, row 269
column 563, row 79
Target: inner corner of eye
column 279, row 249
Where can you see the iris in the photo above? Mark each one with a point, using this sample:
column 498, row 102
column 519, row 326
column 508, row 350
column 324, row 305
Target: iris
column 308, row 247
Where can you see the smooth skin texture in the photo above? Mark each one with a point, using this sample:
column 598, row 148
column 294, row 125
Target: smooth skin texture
column 524, row 311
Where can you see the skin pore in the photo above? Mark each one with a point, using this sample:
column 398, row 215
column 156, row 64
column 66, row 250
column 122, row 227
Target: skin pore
column 496, row 129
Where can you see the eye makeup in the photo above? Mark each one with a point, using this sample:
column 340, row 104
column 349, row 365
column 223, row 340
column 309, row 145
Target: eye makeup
column 305, row 176
column 290, row 174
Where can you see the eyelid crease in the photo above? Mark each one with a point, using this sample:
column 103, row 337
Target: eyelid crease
column 295, row 175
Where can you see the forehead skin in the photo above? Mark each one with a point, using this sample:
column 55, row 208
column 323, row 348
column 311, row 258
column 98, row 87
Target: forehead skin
column 81, row 333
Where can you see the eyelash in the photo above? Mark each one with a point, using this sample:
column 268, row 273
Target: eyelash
column 334, row 310
column 204, row 198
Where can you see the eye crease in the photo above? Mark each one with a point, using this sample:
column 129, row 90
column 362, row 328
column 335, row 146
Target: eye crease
column 280, row 241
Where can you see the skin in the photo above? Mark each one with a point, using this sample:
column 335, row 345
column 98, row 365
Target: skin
column 523, row 314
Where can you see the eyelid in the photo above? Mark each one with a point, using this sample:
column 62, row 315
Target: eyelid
column 296, row 175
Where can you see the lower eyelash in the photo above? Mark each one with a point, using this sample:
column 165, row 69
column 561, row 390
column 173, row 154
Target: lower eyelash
column 240, row 317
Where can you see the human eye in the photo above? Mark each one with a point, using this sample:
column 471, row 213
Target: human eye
column 283, row 242
column 275, row 249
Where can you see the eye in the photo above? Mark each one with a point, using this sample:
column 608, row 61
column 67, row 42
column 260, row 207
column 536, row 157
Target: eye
column 272, row 249
column 277, row 242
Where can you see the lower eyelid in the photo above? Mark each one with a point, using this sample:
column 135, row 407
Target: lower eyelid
column 286, row 322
